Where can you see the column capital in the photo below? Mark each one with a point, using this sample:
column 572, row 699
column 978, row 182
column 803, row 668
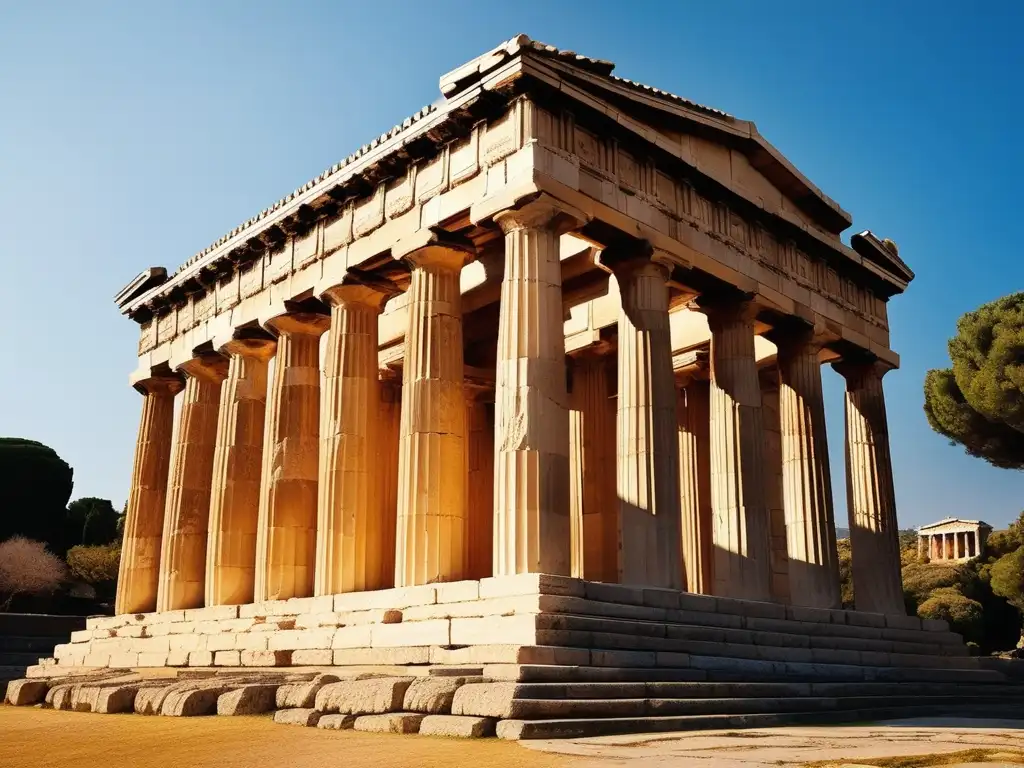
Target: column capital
column 434, row 247
column 209, row 366
column 164, row 384
column 857, row 370
column 354, row 294
column 629, row 259
column 721, row 310
column 798, row 338
column 257, row 348
column 297, row 323
column 540, row 211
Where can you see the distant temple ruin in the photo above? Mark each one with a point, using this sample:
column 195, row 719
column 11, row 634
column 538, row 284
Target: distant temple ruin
column 953, row 539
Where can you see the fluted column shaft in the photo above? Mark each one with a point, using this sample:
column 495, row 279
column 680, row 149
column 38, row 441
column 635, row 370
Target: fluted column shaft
column 388, row 429
column 647, row 455
column 350, row 538
column 807, row 482
column 144, row 512
column 871, row 497
column 594, row 507
column 187, row 514
column 531, row 440
column 779, row 559
column 431, row 530
column 479, row 484
column 237, row 468
column 697, row 535
column 286, row 536
column 741, row 533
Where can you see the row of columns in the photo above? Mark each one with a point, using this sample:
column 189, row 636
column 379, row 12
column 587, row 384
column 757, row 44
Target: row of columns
column 949, row 546
column 290, row 494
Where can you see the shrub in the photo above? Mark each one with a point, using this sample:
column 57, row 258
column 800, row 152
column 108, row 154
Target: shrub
column 1007, row 578
column 27, row 568
column 964, row 615
column 95, row 565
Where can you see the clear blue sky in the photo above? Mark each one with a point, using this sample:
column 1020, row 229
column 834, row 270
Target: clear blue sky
column 134, row 134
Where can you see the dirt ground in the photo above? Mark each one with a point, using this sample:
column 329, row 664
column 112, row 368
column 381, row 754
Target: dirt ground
column 34, row 738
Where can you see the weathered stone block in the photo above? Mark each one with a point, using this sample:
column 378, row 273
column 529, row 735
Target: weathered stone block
column 251, row 641
column 351, row 637
column 224, row 642
column 814, row 615
column 497, row 606
column 165, row 617
column 187, row 642
column 307, row 717
column 865, row 619
column 212, row 613
column 614, row 593
column 303, row 695
column 153, row 659
column 402, row 722
column 227, row 659
column 385, row 656
column 112, row 700
column 266, row 658
column 751, row 608
column 661, row 598
column 364, row 697
column 456, row 726
column 492, row 630
column 434, row 632
column 432, row 695
column 200, row 658
column 295, row 639
column 458, row 591
column 337, row 722
column 485, row 699
column 124, row 659
column 201, row 700
column 82, row 635
column 400, row 597
column 530, row 584
column 248, row 700
column 177, row 658
column 312, row 658
column 22, row 693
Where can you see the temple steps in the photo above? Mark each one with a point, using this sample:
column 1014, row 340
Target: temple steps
column 723, row 669
column 553, row 728
column 701, row 627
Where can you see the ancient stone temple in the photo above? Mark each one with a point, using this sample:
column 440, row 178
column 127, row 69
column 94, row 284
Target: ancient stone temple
column 953, row 538
column 529, row 386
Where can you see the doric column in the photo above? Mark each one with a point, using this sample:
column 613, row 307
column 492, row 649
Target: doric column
column 594, row 506
column 350, row 530
column 432, row 449
column 741, row 533
column 531, row 441
column 920, row 547
column 874, row 534
column 187, row 514
column 286, row 537
column 647, row 458
column 388, row 427
column 144, row 512
column 479, row 482
column 807, row 483
column 773, row 496
column 237, row 468
column 694, row 426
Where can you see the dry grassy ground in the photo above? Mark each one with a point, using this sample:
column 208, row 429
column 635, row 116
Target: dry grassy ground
column 34, row 738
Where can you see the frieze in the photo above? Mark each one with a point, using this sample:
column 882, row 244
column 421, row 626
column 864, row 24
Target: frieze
column 684, row 204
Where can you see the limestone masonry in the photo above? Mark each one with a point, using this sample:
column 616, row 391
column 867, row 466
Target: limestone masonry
column 530, row 382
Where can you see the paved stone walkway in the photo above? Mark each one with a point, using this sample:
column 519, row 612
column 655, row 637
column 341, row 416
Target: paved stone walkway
column 772, row 747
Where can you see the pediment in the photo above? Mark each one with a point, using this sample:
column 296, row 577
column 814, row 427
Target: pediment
column 883, row 253
column 728, row 149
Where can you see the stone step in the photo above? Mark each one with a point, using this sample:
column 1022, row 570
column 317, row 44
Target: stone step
column 582, row 727
column 530, row 709
column 787, row 634
column 732, row 670
column 766, row 646
column 618, row 601
column 708, row 690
